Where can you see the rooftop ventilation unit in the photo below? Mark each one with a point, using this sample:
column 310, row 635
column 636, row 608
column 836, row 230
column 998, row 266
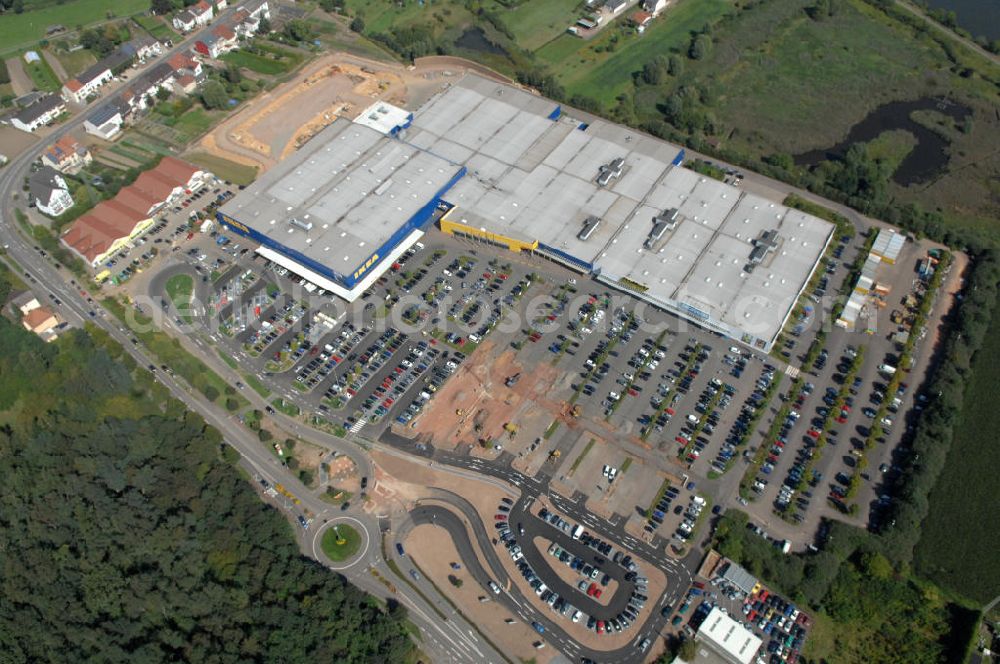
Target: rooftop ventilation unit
column 663, row 222
column 765, row 243
column 610, row 171
column 590, row 225
column 299, row 223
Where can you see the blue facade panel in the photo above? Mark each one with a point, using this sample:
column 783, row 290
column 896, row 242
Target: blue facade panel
column 416, row 222
column 589, row 267
column 554, row 115
column 679, row 159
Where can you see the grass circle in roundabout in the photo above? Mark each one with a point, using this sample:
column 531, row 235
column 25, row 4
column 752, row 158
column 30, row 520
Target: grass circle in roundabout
column 340, row 542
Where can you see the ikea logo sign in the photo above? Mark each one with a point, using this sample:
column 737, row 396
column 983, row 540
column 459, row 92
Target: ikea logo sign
column 364, row 268
column 235, row 224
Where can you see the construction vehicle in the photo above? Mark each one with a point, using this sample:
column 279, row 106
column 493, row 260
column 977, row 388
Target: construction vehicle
column 512, row 380
column 576, row 410
column 554, row 454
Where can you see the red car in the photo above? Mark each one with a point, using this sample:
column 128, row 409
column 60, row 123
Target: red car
column 813, row 433
column 500, row 517
column 600, row 627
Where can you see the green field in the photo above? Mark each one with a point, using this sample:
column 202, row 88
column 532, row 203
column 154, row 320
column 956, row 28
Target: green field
column 958, row 547
column 42, row 75
column 75, row 62
column 589, row 69
column 536, row 22
column 224, row 168
column 276, row 61
column 180, row 288
column 342, row 543
column 195, row 122
column 784, row 87
column 18, row 31
column 156, row 26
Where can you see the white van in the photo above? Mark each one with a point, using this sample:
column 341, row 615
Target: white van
column 495, row 588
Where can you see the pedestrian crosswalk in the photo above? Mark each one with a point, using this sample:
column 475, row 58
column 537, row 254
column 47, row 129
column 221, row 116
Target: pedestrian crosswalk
column 358, row 426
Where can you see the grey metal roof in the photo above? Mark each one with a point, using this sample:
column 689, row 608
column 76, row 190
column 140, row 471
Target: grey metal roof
column 36, row 110
column 532, row 175
column 42, row 183
column 352, row 183
column 739, row 577
column 104, row 113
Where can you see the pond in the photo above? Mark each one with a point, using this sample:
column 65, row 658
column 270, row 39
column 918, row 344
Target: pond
column 926, row 159
column 979, row 17
column 474, row 39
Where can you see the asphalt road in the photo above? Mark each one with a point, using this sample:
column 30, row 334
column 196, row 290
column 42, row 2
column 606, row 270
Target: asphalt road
column 44, row 277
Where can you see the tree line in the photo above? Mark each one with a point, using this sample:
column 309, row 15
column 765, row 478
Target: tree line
column 129, row 537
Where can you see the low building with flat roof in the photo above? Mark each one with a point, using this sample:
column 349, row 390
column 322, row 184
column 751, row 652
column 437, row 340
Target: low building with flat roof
column 343, row 203
column 511, row 168
column 730, row 640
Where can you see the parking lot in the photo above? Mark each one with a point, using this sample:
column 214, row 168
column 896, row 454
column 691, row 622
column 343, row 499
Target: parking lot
column 593, row 585
column 559, row 361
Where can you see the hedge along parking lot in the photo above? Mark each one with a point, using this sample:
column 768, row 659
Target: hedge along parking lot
column 171, row 353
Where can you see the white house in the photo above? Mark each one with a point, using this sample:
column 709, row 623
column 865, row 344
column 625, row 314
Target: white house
column 39, row 114
column 78, row 89
column 49, row 192
column 142, row 48
column 615, row 6
column 654, row 7
column 185, row 21
column 194, row 16
column 257, row 8
column 105, row 122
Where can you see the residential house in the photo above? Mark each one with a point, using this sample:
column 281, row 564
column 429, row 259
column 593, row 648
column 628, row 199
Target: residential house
column 145, row 86
column 66, row 155
column 615, row 6
column 48, row 191
column 654, row 7
column 257, row 8
column 37, row 318
column 185, row 83
column 142, row 48
column 106, row 121
column 185, row 21
column 39, row 114
column 113, row 224
column 641, row 20
column 203, row 12
column 183, row 63
column 194, row 17
column 79, row 88
column 220, row 5
column 220, row 39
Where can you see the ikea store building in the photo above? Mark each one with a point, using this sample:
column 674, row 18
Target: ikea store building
column 497, row 164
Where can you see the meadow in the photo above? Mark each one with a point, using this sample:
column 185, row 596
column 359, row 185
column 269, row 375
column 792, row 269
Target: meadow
column 18, row 31
column 957, row 548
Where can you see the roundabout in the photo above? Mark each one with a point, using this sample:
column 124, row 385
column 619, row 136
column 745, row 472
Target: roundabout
column 343, row 542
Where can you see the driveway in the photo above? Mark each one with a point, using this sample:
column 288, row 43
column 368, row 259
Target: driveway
column 19, row 79
column 57, row 66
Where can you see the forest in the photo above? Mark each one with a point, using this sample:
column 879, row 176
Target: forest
column 129, row 536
